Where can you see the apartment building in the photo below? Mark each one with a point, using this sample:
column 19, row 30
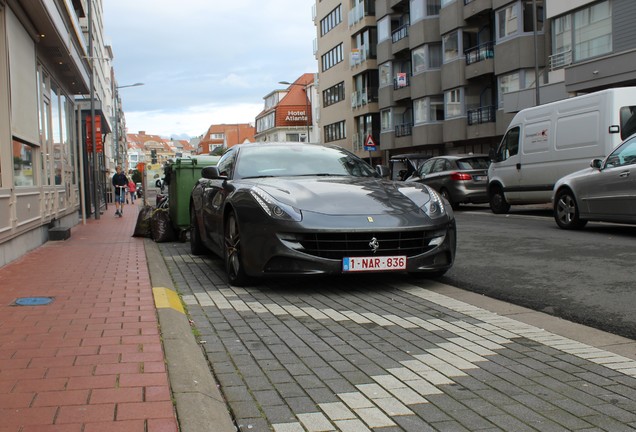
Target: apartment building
column 447, row 76
column 346, row 50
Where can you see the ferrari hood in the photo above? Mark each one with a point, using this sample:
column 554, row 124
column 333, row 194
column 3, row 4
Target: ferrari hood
column 346, row 195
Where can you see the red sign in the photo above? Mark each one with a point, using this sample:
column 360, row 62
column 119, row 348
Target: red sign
column 99, row 144
column 140, row 167
column 369, row 142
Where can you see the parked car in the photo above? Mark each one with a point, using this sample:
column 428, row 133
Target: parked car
column 459, row 178
column 606, row 191
column 274, row 209
column 402, row 166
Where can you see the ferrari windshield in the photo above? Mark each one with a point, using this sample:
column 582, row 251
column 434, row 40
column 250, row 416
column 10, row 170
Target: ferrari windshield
column 299, row 160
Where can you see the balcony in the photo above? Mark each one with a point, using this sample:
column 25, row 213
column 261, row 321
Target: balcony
column 481, row 115
column 480, row 53
column 360, row 11
column 404, row 129
column 560, row 60
column 400, row 33
column 363, row 97
column 360, row 55
column 401, row 80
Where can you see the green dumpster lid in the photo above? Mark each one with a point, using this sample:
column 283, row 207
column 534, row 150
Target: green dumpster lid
column 201, row 160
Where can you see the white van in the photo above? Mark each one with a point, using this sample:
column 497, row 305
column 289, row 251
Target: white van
column 547, row 142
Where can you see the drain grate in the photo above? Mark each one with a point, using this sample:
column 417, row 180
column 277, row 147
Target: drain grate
column 33, row 301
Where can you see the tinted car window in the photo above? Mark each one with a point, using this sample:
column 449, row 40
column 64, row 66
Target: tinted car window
column 428, row 165
column 473, row 163
column 624, row 155
column 226, row 163
column 440, row 165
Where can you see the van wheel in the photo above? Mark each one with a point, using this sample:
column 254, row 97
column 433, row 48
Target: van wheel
column 498, row 203
column 566, row 211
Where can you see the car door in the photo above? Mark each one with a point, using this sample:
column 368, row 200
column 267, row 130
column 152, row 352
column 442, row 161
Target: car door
column 612, row 193
column 423, row 171
column 439, row 174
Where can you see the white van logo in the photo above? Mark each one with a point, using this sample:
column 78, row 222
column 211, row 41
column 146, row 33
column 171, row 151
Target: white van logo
column 537, row 137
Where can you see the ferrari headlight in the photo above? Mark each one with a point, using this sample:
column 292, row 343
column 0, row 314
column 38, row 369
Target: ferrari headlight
column 274, row 208
column 434, row 208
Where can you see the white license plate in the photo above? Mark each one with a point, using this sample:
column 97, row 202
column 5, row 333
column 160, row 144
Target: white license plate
column 480, row 178
column 384, row 263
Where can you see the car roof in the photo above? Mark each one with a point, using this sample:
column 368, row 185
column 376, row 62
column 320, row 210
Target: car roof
column 410, row 156
column 461, row 156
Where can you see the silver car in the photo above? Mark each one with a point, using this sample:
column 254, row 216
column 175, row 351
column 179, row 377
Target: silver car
column 458, row 178
column 604, row 192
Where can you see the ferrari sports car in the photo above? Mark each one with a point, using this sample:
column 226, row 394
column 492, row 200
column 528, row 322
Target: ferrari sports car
column 280, row 209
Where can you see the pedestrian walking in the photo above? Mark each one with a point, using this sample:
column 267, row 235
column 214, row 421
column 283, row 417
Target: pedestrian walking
column 120, row 181
column 132, row 190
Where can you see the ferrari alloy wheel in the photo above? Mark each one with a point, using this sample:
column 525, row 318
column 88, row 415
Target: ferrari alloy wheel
column 566, row 211
column 196, row 245
column 233, row 259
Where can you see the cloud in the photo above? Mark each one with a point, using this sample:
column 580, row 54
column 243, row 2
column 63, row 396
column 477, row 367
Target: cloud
column 205, row 61
column 193, row 121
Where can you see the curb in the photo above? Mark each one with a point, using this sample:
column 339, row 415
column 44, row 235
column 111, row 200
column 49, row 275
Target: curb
column 198, row 400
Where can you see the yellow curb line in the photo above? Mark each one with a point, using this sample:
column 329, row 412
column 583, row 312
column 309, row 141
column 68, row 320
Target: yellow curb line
column 167, row 298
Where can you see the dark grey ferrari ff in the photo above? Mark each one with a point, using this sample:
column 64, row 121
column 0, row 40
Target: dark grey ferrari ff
column 280, row 209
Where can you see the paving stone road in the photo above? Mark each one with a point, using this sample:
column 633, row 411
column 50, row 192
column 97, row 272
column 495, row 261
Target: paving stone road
column 391, row 354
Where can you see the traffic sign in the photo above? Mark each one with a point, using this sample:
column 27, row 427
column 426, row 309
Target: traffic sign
column 369, row 144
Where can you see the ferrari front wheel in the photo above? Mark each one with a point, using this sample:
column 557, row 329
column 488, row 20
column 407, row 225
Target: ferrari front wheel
column 233, row 252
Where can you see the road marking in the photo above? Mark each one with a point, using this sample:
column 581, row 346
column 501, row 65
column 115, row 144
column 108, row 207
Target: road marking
column 167, row 298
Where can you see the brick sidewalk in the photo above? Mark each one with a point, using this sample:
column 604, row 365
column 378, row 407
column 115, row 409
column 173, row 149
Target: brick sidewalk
column 91, row 360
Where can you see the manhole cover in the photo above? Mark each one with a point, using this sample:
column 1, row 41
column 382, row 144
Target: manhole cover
column 33, row 301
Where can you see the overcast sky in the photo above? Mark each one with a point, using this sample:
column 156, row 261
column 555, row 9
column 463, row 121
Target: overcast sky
column 204, row 62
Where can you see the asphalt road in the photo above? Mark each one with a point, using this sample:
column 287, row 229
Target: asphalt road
column 524, row 258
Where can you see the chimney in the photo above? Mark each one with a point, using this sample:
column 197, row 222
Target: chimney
column 142, row 132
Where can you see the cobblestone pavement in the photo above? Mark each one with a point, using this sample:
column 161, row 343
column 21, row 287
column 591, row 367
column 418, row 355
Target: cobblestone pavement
column 390, row 354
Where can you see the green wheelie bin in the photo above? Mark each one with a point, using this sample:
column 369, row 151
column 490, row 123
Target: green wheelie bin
column 180, row 177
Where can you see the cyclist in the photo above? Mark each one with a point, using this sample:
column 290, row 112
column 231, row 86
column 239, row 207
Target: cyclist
column 120, row 181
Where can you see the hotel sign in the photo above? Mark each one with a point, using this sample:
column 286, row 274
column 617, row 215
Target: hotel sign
column 296, row 116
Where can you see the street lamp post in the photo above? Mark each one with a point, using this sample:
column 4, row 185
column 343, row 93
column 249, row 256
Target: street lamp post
column 305, row 87
column 116, row 120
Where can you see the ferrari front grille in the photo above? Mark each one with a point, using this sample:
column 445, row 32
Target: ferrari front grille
column 340, row 245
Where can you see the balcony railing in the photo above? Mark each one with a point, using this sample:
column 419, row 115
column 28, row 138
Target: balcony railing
column 400, row 33
column 361, row 10
column 480, row 53
column 362, row 97
column 358, row 56
column 481, row 115
column 560, row 60
column 404, row 129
